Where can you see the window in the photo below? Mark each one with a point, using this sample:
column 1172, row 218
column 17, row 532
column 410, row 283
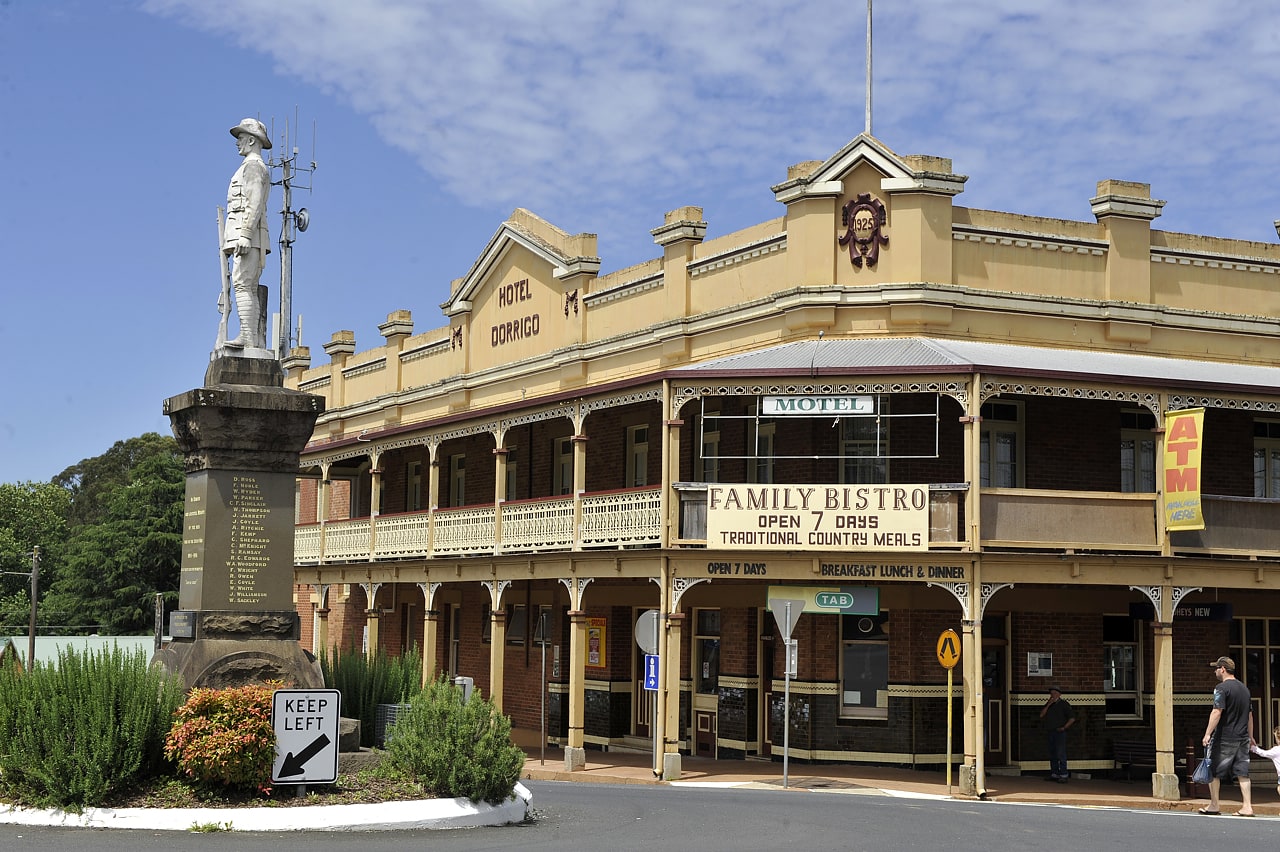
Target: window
column 413, row 486
column 562, row 466
column 706, row 643
column 1121, row 655
column 864, row 446
column 517, row 624
column 1266, row 458
column 486, row 626
column 513, row 468
column 637, row 456
column 1001, row 448
column 709, row 457
column 457, row 480
column 1137, row 451
column 864, row 666
column 544, row 627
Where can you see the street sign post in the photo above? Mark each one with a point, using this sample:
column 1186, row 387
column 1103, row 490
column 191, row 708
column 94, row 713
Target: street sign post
column 786, row 612
column 651, row 672
column 948, row 656
column 306, row 726
column 647, row 627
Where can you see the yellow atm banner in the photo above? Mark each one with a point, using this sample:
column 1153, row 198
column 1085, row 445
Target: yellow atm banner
column 1183, row 448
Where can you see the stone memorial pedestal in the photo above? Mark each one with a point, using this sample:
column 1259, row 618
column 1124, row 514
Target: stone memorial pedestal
column 241, row 436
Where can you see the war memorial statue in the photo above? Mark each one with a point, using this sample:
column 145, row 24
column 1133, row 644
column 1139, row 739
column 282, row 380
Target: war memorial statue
column 241, row 434
column 245, row 239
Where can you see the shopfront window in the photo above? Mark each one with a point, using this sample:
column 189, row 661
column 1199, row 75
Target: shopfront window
column 864, row 666
column 1121, row 653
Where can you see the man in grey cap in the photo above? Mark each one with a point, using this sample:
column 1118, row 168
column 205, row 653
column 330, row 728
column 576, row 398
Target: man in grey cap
column 1058, row 717
column 1232, row 721
column 245, row 239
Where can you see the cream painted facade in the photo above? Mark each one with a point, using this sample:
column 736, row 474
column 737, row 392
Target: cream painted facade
column 549, row 449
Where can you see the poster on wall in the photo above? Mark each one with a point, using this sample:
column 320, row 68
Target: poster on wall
column 1039, row 664
column 596, row 654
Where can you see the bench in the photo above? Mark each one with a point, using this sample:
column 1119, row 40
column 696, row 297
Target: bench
column 1134, row 754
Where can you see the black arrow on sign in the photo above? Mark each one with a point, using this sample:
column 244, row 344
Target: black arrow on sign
column 293, row 764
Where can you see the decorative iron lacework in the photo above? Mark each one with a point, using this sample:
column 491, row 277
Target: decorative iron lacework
column 630, row 288
column 1237, row 403
column 1156, row 593
column 365, row 368
column 738, row 255
column 576, row 586
column 680, row 585
column 1148, row 399
column 683, row 394
column 576, row 412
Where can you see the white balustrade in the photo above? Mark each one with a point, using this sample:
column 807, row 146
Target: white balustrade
column 402, row 536
column 346, row 540
column 306, row 544
column 469, row 529
column 622, row 518
column 538, row 525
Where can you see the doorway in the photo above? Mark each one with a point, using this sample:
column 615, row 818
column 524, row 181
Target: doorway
column 995, row 690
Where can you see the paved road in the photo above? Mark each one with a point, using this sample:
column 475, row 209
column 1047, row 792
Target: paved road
column 574, row 816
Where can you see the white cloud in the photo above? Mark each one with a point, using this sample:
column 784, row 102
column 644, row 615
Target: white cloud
column 560, row 105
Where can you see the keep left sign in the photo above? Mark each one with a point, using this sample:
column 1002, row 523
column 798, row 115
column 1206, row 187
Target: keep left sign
column 306, row 726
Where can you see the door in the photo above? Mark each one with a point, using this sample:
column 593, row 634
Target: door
column 995, row 723
column 765, row 670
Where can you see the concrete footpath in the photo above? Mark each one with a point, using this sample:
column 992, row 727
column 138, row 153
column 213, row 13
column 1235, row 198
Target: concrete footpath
column 630, row 768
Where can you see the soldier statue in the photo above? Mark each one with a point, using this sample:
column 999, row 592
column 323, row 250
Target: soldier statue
column 244, row 238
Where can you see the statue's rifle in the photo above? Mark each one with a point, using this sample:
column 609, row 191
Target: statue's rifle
column 224, row 295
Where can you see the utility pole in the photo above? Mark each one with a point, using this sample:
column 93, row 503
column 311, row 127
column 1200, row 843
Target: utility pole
column 293, row 221
column 34, row 574
column 35, row 591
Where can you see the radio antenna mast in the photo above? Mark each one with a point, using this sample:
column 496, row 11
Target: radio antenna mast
column 293, row 221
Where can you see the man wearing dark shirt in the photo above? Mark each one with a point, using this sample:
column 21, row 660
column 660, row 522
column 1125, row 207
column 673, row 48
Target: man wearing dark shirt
column 1057, row 716
column 1232, row 720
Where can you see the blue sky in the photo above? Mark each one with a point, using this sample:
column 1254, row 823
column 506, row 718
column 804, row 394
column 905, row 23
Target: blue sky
column 436, row 119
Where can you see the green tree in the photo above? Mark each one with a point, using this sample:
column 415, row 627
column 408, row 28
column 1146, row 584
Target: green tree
column 127, row 545
column 32, row 514
column 90, row 481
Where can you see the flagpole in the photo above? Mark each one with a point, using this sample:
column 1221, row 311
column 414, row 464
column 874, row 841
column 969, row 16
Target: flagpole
column 868, row 131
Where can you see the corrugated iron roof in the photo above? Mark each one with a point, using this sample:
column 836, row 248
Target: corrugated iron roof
column 935, row 355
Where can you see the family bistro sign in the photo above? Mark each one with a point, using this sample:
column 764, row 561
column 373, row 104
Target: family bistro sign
column 818, row 517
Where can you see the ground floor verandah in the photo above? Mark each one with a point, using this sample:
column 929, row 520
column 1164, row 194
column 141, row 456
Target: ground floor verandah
column 552, row 639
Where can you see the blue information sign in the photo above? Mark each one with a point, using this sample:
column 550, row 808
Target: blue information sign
column 651, row 671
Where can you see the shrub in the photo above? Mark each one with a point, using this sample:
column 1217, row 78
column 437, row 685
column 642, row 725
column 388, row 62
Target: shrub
column 74, row 730
column 456, row 749
column 365, row 683
column 224, row 736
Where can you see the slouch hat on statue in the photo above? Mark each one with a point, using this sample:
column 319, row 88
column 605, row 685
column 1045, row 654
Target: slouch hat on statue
column 254, row 128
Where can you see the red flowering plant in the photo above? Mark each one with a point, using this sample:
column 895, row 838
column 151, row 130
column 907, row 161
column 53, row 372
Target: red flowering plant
column 224, row 736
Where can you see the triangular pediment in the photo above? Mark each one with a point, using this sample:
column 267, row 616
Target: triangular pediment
column 897, row 172
column 541, row 242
